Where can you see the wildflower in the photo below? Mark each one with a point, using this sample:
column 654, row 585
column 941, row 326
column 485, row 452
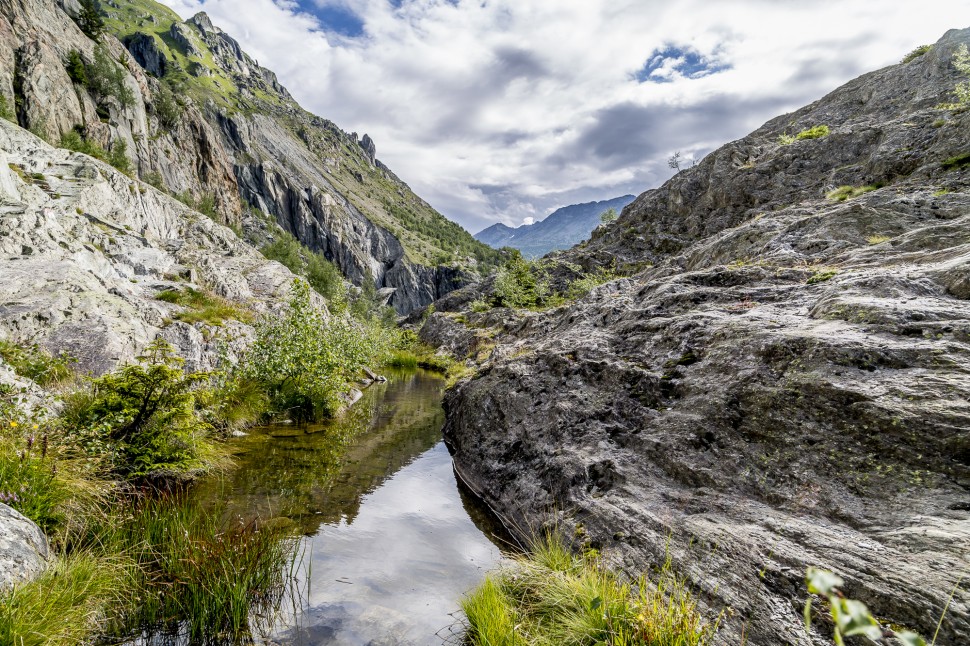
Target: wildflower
column 13, row 424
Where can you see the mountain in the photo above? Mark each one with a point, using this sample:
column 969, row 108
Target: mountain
column 561, row 229
column 776, row 380
column 199, row 118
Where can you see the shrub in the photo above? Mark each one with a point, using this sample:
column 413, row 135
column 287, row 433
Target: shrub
column 143, row 417
column 167, row 107
column 518, row 284
column 305, row 361
column 916, row 53
column 582, row 286
column 323, row 275
column 609, row 215
column 107, row 79
column 816, row 132
column 28, row 478
column 961, row 61
column 75, row 68
column 786, row 140
column 89, row 19
column 5, row 111
column 118, row 157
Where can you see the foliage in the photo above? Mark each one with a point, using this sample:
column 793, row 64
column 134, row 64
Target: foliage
column 916, row 53
column 520, row 283
column 203, row 307
column 107, row 79
column 5, row 111
column 551, row 596
column 844, row 193
column 584, row 285
column 118, row 156
column 957, row 161
column 673, row 161
column 305, row 360
column 89, row 19
column 28, row 476
column 849, row 616
column 961, row 61
column 877, row 239
column 144, row 417
column 154, row 178
column 609, row 215
column 323, row 275
column 167, row 107
column 36, row 363
column 75, row 68
column 822, row 275
column 816, row 132
column 786, row 140
column 64, row 606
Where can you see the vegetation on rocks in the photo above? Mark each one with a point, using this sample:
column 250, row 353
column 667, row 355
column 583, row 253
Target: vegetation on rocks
column 551, row 596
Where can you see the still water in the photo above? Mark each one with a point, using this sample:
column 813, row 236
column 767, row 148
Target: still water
column 390, row 542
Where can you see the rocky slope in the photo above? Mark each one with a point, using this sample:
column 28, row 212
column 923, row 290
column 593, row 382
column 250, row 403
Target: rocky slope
column 206, row 122
column 781, row 381
column 85, row 250
column 561, row 229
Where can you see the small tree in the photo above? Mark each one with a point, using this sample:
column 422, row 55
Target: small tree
column 107, row 79
column 89, row 19
column 674, row 161
column 75, row 68
column 167, row 107
column 608, row 216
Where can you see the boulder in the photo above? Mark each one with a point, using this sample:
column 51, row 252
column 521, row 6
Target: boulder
column 24, row 552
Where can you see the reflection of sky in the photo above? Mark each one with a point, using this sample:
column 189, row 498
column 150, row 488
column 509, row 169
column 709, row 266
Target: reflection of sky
column 396, row 572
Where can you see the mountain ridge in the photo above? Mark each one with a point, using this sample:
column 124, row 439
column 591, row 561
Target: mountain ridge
column 561, row 229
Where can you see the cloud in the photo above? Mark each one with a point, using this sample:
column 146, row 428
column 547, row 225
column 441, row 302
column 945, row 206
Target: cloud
column 501, row 110
column 528, row 221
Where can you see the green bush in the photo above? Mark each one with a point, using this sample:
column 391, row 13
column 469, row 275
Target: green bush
column 75, row 68
column 89, row 19
column 143, row 417
column 584, row 285
column 520, row 284
column 305, row 361
column 323, row 275
column 118, row 156
column 916, row 53
column 961, row 61
column 28, row 477
column 167, row 107
column 816, row 132
column 107, row 79
column 5, row 111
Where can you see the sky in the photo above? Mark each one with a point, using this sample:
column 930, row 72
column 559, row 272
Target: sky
column 504, row 110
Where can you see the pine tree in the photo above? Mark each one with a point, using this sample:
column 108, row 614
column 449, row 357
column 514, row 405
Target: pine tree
column 89, row 19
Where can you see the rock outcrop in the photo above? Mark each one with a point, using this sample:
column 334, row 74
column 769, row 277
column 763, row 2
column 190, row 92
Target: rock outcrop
column 780, row 382
column 24, row 553
column 84, row 251
column 238, row 141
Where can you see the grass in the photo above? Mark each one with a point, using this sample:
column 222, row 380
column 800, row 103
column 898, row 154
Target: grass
column 553, row 597
column 66, row 604
column 204, row 307
column 816, row 132
column 37, row 364
column 822, row 275
column 843, row 193
column 957, row 161
column 877, row 239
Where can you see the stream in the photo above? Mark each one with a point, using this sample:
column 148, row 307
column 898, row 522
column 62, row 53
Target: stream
column 390, row 542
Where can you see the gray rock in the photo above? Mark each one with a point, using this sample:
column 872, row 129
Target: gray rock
column 144, row 49
column 785, row 387
column 24, row 553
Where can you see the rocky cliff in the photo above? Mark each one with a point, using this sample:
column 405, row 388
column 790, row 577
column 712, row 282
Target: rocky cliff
column 781, row 380
column 201, row 119
column 561, row 229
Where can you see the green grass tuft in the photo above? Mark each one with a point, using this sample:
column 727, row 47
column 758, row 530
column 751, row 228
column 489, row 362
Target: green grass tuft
column 916, row 53
column 957, row 161
column 816, row 132
column 204, row 307
column 551, row 596
column 843, row 193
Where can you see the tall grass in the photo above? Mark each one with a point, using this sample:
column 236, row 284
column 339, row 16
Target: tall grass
column 553, row 597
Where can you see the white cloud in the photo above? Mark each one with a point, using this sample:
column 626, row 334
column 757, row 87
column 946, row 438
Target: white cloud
column 486, row 107
column 528, row 221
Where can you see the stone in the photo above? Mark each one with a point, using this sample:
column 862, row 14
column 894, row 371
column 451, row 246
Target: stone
column 24, row 552
column 779, row 382
column 146, row 53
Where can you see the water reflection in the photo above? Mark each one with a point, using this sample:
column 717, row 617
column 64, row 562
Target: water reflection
column 390, row 546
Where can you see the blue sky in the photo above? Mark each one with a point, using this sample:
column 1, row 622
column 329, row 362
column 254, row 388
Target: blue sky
column 502, row 110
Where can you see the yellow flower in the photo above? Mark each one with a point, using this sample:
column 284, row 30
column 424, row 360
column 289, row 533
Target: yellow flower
column 36, row 426
column 13, row 424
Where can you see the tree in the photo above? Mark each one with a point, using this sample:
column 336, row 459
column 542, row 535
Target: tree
column 674, row 161
column 89, row 19
column 608, row 216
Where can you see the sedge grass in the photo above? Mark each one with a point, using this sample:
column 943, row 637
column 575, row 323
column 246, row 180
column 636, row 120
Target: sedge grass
column 553, row 597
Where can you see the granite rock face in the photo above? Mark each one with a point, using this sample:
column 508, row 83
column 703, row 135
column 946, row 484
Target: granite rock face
column 780, row 382
column 84, row 250
column 24, row 553
column 240, row 142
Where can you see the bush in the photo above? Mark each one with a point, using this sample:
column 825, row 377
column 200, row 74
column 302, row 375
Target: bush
column 518, row 284
column 107, row 79
column 306, row 361
column 75, row 68
column 167, row 107
column 816, row 132
column 143, row 417
column 89, row 19
column 5, row 111
column 28, row 477
column 323, row 275
column 118, row 157
column 916, row 53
